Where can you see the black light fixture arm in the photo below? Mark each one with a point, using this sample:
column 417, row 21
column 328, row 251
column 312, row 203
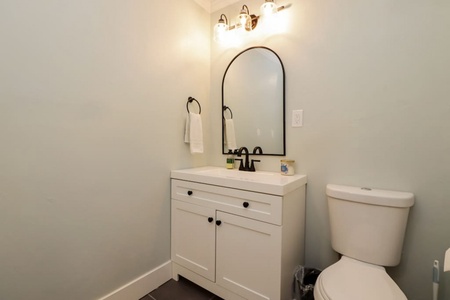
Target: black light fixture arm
column 221, row 19
column 245, row 10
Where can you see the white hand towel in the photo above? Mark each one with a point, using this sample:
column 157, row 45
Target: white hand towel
column 230, row 134
column 194, row 133
column 447, row 260
column 187, row 129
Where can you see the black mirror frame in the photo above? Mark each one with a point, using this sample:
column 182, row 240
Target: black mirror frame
column 284, row 100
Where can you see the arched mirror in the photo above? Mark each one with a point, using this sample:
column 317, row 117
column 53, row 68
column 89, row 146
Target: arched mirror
column 253, row 97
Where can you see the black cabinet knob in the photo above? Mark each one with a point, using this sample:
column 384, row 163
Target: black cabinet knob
column 245, row 204
column 189, row 193
column 210, row 219
column 218, row 222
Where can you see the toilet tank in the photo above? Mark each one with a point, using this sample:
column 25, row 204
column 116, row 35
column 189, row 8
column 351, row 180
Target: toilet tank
column 368, row 224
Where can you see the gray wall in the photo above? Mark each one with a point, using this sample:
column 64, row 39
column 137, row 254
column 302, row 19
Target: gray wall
column 92, row 107
column 373, row 80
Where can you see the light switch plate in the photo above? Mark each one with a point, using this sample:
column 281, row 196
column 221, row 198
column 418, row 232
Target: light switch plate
column 297, row 118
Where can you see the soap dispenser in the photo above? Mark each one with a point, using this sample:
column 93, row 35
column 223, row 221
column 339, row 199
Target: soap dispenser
column 230, row 160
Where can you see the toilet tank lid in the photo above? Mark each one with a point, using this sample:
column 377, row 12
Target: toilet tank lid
column 370, row 196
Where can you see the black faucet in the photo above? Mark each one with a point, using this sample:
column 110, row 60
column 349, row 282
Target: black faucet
column 245, row 162
column 244, row 166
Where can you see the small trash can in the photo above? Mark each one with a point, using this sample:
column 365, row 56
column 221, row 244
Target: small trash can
column 304, row 281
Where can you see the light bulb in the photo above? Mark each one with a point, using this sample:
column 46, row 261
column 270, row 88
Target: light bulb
column 220, row 30
column 268, row 8
column 243, row 19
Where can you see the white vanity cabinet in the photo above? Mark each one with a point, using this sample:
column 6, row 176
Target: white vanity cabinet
column 238, row 243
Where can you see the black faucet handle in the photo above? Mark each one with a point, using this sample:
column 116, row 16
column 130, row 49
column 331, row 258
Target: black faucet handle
column 241, row 165
column 257, row 149
column 252, row 166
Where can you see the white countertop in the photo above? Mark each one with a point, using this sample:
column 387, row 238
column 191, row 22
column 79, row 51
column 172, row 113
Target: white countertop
column 259, row 181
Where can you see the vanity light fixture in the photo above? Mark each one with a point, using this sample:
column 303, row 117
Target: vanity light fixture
column 245, row 20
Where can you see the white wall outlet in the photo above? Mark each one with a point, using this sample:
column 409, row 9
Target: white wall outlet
column 297, row 118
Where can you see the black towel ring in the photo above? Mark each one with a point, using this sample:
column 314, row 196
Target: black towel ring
column 190, row 99
column 227, row 108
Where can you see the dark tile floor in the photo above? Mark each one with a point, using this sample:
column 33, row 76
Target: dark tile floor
column 182, row 290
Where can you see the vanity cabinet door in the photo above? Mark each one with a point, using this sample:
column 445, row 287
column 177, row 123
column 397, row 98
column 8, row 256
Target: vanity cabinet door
column 193, row 238
column 248, row 257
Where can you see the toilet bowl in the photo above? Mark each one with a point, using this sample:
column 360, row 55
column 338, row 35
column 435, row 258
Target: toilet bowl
column 367, row 229
column 350, row 279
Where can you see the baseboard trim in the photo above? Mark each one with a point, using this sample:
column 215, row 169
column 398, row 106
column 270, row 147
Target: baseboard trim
column 142, row 285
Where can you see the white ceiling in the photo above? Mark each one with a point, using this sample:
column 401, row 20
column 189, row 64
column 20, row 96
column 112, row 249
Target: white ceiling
column 214, row 5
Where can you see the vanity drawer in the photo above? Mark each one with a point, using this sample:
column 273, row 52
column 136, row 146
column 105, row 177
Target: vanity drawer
column 253, row 205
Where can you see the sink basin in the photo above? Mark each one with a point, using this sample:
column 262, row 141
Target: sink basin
column 238, row 175
column 265, row 182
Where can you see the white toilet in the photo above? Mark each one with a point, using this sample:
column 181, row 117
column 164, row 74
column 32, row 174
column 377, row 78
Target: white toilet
column 367, row 228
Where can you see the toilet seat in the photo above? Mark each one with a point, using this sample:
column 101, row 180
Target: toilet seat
column 350, row 279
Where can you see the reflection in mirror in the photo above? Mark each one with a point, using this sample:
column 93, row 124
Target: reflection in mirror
column 253, row 101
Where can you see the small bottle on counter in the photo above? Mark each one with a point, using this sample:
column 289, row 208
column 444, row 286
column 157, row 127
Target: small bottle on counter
column 230, row 160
